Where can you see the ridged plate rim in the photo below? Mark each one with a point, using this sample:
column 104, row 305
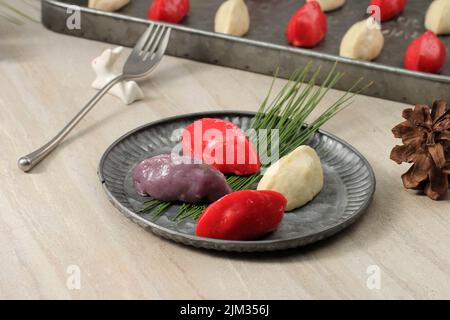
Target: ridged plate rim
column 227, row 245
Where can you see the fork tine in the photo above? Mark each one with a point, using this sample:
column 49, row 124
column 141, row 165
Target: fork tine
column 151, row 40
column 141, row 61
column 157, row 43
column 164, row 42
column 144, row 39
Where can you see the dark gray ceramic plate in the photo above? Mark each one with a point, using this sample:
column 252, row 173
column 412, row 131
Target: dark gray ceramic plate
column 348, row 189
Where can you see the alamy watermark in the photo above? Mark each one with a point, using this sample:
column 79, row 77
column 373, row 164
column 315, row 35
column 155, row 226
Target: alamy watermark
column 73, row 21
column 373, row 281
column 73, row 281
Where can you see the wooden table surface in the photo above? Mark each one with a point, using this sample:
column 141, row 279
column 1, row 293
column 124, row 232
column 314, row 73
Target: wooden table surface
column 58, row 216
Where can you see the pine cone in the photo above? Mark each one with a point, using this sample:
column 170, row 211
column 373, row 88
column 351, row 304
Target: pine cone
column 426, row 144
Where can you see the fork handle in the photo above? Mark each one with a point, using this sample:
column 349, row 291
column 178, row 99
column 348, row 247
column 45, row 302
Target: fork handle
column 26, row 163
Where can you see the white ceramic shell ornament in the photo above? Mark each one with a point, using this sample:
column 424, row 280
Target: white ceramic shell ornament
column 104, row 68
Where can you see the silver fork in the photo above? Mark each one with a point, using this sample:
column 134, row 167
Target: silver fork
column 147, row 53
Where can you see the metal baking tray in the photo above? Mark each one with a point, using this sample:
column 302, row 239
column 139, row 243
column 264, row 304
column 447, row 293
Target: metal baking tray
column 265, row 48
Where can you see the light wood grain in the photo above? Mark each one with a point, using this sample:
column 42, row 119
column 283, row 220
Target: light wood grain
column 58, row 215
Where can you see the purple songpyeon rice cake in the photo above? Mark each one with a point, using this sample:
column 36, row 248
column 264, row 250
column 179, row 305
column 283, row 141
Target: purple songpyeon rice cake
column 173, row 178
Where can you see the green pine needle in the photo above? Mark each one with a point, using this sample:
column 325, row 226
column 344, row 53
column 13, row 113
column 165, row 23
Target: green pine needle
column 287, row 112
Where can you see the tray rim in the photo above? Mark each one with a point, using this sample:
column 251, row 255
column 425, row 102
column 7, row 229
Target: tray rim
column 195, row 240
column 305, row 52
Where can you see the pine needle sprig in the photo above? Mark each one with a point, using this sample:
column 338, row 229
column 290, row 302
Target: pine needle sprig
column 287, row 113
